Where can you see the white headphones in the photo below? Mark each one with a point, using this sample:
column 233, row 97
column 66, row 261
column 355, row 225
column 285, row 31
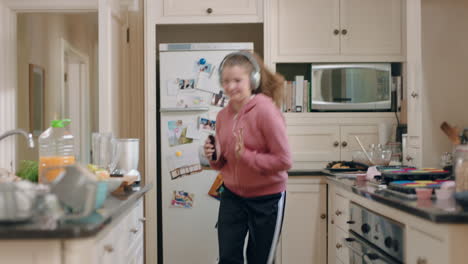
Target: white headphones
column 255, row 76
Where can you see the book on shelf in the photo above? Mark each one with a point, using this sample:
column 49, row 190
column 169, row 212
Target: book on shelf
column 296, row 95
column 299, row 91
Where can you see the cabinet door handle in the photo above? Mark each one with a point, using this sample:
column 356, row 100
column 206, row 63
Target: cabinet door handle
column 421, row 260
column 336, row 32
column 336, row 144
column 409, row 158
column 344, row 31
column 344, row 144
column 338, row 212
column 109, row 248
column 143, row 220
column 338, row 245
column 414, row 94
column 323, row 216
column 209, row 10
column 134, row 230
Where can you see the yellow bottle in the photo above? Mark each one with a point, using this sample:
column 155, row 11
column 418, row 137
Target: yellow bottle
column 56, row 149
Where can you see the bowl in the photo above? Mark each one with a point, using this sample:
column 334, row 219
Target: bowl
column 378, row 157
column 360, row 156
column 113, row 183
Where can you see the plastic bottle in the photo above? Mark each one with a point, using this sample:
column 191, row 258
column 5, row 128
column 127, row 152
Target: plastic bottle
column 56, row 149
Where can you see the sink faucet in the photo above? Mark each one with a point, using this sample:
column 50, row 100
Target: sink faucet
column 28, row 136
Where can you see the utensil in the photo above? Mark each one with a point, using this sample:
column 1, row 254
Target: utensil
column 451, row 132
column 363, row 149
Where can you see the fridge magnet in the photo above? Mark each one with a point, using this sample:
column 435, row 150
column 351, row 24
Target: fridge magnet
column 217, row 187
column 189, row 100
column 184, row 161
column 219, row 99
column 177, row 133
column 181, row 199
column 207, row 125
column 186, row 84
column 204, row 66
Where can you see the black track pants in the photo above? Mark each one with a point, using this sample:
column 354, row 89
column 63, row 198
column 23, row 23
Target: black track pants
column 261, row 216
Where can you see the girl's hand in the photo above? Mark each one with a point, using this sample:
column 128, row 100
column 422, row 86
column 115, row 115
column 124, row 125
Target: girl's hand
column 239, row 148
column 209, row 149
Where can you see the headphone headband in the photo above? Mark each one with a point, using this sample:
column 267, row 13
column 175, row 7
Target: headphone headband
column 255, row 75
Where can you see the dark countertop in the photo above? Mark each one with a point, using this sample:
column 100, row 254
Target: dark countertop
column 438, row 211
column 306, row 173
column 48, row 228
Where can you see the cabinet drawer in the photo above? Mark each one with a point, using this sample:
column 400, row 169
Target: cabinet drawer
column 135, row 224
column 341, row 251
column 341, row 212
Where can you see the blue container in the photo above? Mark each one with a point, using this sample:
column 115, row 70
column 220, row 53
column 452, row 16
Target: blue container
column 101, row 194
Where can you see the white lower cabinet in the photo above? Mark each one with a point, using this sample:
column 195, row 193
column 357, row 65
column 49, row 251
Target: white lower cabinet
column 304, row 233
column 120, row 243
column 338, row 215
column 424, row 248
column 124, row 242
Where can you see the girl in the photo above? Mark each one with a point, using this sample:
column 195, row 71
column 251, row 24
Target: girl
column 253, row 157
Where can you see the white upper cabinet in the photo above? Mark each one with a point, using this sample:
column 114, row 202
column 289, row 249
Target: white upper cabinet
column 305, row 28
column 209, row 11
column 334, row 30
column 371, row 27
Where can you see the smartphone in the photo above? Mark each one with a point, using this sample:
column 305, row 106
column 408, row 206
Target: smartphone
column 212, row 141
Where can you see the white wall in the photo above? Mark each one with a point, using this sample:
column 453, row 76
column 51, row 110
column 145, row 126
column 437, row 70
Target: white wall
column 39, row 42
column 445, row 73
column 7, row 85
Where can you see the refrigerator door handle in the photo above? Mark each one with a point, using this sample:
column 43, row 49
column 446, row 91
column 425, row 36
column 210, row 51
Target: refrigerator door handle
column 180, row 109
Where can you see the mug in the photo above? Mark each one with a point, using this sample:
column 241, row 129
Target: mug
column 75, row 189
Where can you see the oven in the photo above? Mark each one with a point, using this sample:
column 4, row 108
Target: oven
column 374, row 239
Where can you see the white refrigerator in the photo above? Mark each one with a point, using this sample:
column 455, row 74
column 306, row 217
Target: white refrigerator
column 190, row 96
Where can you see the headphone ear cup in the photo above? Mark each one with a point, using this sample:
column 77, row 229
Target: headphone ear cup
column 255, row 80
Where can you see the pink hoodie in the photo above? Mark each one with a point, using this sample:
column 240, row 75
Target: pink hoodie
column 262, row 168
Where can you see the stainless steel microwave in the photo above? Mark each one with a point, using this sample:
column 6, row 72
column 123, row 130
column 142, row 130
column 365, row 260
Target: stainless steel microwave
column 351, row 87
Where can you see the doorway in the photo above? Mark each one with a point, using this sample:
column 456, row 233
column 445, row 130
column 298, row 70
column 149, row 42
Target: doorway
column 76, row 99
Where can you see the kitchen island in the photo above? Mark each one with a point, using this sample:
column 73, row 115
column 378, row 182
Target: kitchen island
column 433, row 231
column 112, row 234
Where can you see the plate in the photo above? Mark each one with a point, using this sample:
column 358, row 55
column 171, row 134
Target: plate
column 342, row 170
column 353, row 166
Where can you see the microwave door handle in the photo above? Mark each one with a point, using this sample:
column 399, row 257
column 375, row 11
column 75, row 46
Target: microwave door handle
column 382, row 67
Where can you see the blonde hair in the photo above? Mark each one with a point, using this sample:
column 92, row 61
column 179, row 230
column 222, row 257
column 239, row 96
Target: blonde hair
column 271, row 84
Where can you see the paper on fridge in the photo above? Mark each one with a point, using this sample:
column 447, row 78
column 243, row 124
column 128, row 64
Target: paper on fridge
column 183, row 160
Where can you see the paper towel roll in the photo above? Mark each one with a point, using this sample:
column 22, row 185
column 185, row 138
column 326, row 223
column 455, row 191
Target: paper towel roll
column 385, row 133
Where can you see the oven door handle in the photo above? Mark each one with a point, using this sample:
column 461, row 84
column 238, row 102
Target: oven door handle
column 347, row 243
column 367, row 258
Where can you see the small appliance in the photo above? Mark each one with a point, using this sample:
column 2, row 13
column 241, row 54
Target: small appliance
column 351, row 87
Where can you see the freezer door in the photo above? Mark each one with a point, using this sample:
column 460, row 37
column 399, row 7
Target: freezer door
column 189, row 78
